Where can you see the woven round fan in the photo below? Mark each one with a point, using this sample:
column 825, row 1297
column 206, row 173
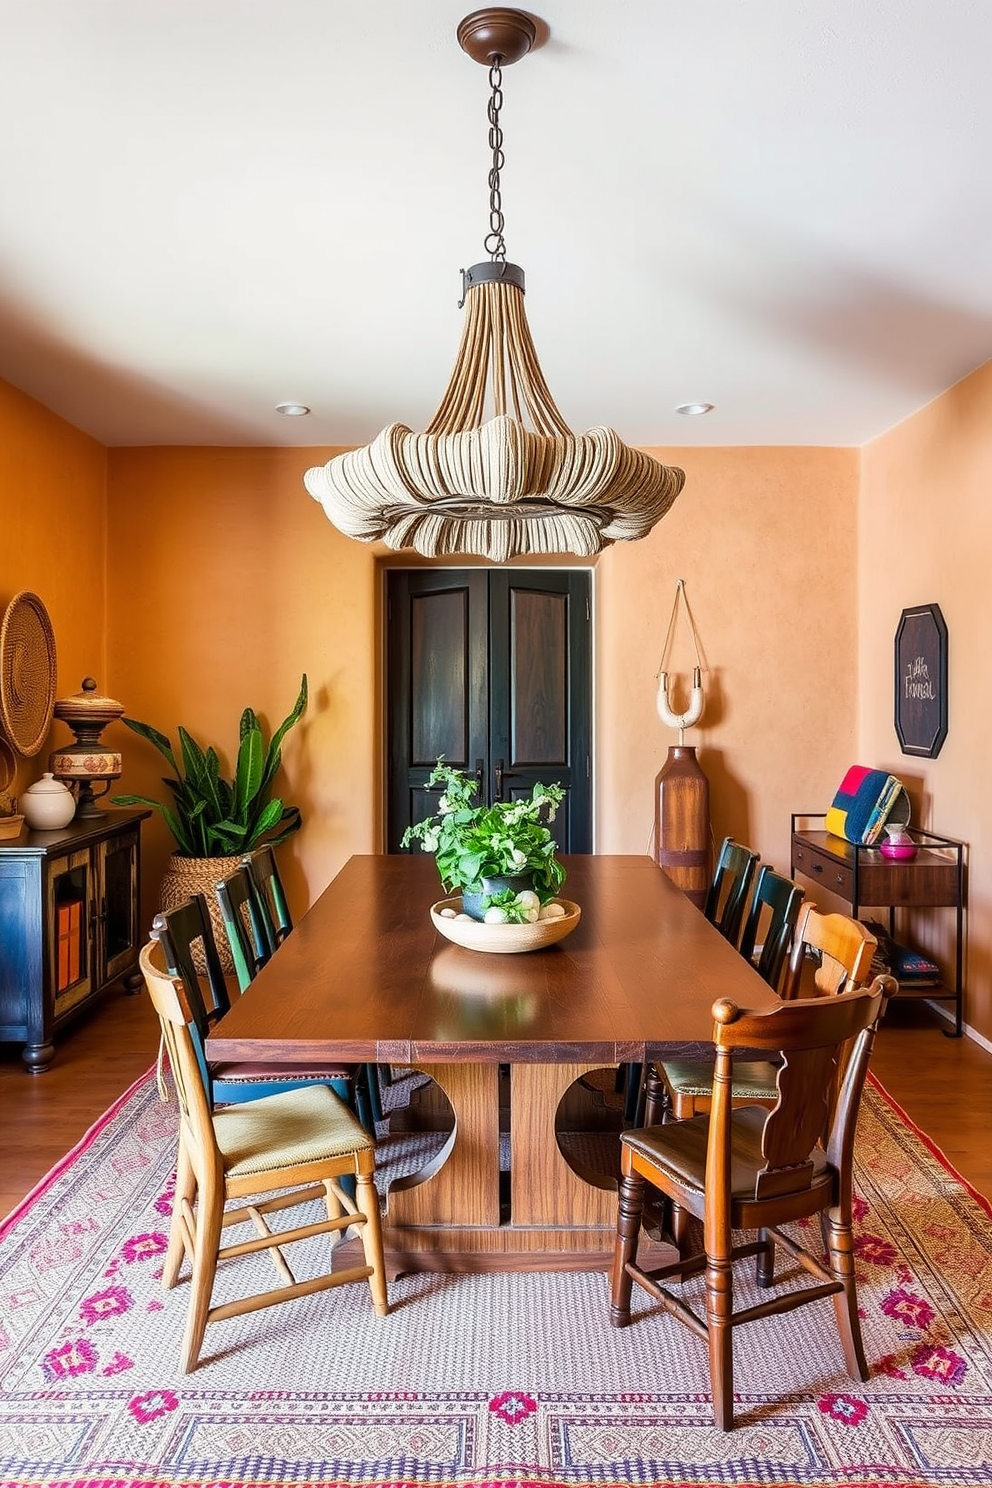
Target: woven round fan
column 27, row 673
column 8, row 764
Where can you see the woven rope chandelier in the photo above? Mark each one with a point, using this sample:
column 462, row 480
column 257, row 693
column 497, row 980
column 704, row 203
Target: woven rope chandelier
column 497, row 472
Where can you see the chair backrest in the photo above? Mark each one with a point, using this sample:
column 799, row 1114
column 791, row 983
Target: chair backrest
column 771, row 921
column 245, row 923
column 186, row 938
column 726, row 899
column 177, row 1015
column 843, row 946
column 261, row 864
column 824, row 1044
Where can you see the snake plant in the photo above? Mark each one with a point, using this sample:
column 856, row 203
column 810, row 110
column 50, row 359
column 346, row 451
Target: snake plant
column 213, row 817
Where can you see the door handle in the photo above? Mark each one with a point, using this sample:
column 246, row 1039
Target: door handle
column 499, row 780
column 480, row 776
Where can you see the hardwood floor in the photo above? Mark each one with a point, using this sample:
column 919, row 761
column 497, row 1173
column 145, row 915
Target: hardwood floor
column 944, row 1085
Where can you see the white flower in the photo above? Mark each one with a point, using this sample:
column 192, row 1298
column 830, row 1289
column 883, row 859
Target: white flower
column 517, row 858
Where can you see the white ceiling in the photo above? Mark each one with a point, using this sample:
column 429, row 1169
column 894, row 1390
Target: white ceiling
column 208, row 207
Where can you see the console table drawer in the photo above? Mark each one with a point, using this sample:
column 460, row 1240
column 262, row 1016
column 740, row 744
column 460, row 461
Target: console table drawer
column 823, row 869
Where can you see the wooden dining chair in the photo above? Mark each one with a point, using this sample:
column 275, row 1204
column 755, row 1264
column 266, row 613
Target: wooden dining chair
column 682, row 1088
column 725, row 905
column 246, row 924
column 751, row 1168
column 296, row 1147
column 184, row 933
column 268, row 902
column 264, row 871
column 727, row 896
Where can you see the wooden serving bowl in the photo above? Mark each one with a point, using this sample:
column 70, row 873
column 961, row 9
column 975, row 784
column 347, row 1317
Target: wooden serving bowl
column 505, row 940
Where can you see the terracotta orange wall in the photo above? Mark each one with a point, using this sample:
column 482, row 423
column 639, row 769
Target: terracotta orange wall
column 53, row 482
column 926, row 537
column 226, row 581
column 765, row 540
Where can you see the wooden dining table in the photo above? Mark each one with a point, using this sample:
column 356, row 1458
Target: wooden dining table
column 365, row 977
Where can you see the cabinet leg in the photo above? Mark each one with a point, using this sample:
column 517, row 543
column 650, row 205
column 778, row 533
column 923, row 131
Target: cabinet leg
column 133, row 983
column 37, row 1057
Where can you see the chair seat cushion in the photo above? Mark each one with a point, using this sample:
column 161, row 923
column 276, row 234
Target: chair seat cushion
column 753, row 1080
column 308, row 1125
column 679, row 1150
column 232, row 1071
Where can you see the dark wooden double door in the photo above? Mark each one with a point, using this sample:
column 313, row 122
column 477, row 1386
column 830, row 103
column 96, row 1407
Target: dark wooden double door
column 492, row 669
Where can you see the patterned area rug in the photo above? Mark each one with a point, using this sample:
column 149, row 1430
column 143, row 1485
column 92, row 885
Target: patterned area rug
column 484, row 1380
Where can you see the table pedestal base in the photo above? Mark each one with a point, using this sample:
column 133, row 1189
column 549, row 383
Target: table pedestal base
column 562, row 1214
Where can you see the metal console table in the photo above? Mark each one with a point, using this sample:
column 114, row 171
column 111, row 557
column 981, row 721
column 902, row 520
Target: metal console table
column 934, row 879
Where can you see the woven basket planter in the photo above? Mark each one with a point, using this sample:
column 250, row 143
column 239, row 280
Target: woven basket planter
column 186, row 876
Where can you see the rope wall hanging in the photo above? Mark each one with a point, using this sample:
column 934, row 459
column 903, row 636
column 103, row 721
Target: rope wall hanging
column 681, row 789
column 694, row 711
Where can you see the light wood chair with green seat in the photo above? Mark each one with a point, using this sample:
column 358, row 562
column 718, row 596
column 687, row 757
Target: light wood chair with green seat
column 752, row 1168
column 843, row 950
column 295, row 1148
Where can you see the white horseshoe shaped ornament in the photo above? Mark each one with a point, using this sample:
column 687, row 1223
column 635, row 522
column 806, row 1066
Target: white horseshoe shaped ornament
column 694, row 712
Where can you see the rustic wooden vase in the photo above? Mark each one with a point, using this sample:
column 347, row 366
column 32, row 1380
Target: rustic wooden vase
column 682, row 822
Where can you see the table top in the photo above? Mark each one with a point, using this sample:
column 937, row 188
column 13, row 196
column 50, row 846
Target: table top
column 365, row 976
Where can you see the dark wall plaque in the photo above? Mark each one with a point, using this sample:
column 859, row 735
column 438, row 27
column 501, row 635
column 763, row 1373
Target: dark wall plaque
column 921, row 680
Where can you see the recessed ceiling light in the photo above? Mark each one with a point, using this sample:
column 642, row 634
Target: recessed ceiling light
column 292, row 410
column 692, row 409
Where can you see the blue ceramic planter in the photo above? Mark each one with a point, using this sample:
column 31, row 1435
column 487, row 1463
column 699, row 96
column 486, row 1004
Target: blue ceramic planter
column 474, row 902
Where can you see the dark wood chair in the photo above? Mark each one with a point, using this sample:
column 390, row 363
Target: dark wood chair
column 264, row 871
column 773, row 915
column 726, row 902
column 844, row 949
column 269, row 901
column 272, row 1155
column 727, row 896
column 246, row 924
column 752, row 1168
column 184, row 933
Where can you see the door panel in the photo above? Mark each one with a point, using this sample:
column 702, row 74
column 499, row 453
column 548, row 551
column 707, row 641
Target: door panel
column 541, row 693
column 491, row 669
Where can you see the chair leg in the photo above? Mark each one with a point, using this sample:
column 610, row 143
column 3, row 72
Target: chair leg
column 719, row 1306
column 765, row 1260
column 633, row 1102
column 655, row 1097
column 185, row 1191
column 372, row 1079
column 371, row 1231
column 840, row 1244
column 629, row 1209
column 209, row 1224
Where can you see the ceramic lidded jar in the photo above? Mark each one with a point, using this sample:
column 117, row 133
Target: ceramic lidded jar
column 48, row 804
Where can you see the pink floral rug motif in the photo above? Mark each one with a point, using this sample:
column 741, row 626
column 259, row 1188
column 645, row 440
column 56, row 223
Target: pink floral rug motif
column 479, row 1380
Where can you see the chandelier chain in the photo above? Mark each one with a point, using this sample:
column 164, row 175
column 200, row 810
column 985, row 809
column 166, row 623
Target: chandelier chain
column 494, row 243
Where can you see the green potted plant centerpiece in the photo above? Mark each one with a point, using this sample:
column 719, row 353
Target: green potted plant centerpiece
column 215, row 820
column 503, row 858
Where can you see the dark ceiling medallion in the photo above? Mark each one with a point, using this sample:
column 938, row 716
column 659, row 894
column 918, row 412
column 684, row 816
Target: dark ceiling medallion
column 487, row 34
